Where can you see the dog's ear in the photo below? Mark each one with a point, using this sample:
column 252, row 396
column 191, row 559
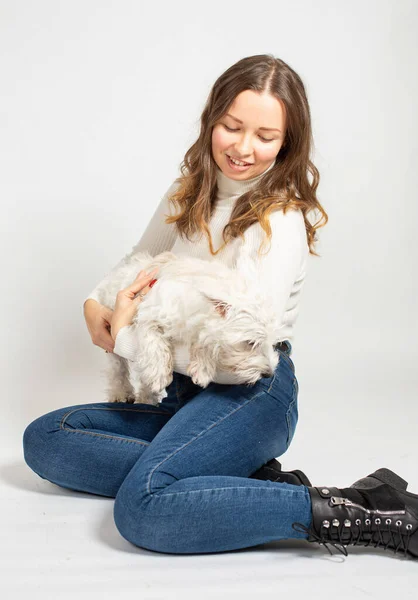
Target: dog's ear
column 221, row 306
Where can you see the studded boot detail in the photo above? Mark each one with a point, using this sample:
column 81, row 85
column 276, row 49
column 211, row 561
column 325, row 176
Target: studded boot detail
column 376, row 510
column 272, row 471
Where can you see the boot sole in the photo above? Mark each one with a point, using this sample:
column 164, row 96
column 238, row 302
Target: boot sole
column 391, row 478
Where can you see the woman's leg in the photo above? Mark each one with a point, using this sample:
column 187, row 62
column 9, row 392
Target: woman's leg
column 190, row 492
column 92, row 447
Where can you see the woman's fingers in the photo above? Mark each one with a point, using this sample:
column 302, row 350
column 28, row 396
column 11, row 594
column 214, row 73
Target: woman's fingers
column 108, row 343
column 139, row 284
column 104, row 339
column 104, row 344
column 149, row 285
column 143, row 274
column 140, row 281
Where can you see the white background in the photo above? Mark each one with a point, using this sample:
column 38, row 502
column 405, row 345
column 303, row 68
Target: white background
column 99, row 102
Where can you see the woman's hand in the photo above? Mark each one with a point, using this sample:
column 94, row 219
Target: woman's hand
column 126, row 304
column 98, row 319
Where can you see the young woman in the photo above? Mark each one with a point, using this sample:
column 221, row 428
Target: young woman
column 184, row 473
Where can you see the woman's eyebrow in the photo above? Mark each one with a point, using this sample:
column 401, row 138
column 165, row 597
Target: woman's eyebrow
column 266, row 128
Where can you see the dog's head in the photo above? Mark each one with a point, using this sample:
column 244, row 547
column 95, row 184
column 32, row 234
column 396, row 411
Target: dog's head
column 245, row 329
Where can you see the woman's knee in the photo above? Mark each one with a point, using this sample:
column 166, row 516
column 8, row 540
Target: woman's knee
column 34, row 444
column 38, row 442
column 37, row 436
column 132, row 510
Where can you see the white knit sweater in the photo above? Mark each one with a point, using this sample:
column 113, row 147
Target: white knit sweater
column 282, row 269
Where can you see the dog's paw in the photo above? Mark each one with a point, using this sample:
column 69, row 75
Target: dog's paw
column 141, row 397
column 120, row 396
column 198, row 375
column 162, row 381
column 147, row 397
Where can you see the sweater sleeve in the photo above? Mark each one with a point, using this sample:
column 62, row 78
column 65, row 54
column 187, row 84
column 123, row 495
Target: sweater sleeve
column 278, row 270
column 282, row 270
column 158, row 237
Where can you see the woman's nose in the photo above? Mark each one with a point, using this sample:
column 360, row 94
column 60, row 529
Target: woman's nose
column 243, row 148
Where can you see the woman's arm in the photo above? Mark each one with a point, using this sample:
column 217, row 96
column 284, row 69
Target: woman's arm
column 125, row 344
column 286, row 261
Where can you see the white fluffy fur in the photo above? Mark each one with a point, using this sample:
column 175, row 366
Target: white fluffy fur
column 217, row 311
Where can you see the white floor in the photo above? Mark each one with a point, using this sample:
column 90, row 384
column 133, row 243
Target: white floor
column 63, row 544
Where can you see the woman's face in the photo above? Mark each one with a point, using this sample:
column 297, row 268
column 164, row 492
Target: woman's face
column 256, row 140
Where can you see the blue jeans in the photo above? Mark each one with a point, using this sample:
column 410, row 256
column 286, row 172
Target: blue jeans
column 179, row 471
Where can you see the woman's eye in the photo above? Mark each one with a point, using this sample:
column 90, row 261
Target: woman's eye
column 261, row 138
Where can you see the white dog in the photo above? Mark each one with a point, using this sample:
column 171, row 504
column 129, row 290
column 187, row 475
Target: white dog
column 216, row 310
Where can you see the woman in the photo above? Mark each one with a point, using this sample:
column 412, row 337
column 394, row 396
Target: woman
column 184, row 473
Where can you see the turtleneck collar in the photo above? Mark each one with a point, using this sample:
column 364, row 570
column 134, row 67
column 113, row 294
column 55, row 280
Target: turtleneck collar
column 228, row 187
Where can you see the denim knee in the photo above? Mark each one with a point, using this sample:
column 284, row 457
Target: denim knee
column 34, row 445
column 130, row 515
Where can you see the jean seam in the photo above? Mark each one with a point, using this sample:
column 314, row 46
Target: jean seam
column 148, row 486
column 111, row 409
column 237, row 487
column 104, row 435
column 289, row 410
column 271, row 383
column 287, row 359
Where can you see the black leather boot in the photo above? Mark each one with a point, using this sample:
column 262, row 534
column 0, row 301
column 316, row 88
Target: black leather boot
column 376, row 510
column 272, row 471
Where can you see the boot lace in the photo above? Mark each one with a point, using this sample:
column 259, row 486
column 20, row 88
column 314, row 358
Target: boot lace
column 364, row 535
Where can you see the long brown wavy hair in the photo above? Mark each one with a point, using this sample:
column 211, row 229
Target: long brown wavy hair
column 285, row 186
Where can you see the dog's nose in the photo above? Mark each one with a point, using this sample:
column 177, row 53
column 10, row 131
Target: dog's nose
column 269, row 374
